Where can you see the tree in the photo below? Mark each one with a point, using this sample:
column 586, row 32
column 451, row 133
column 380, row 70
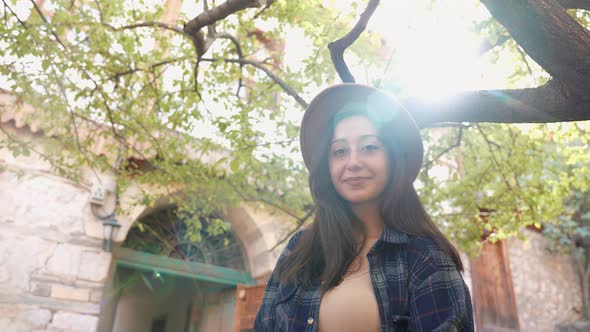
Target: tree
column 144, row 81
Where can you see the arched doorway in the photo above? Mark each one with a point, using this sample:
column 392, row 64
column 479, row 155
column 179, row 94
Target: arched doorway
column 164, row 232
column 165, row 280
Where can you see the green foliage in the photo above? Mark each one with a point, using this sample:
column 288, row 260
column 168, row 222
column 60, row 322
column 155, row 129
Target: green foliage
column 524, row 175
column 136, row 91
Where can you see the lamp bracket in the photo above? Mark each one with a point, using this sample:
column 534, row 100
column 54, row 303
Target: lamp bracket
column 97, row 195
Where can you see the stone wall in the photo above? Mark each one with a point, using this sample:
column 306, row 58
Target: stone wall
column 546, row 286
column 51, row 271
column 52, row 267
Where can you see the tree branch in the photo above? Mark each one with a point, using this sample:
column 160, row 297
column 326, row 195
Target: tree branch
column 234, row 40
column 149, row 24
column 269, row 73
column 489, row 144
column 99, row 8
column 544, row 30
column 543, row 104
column 38, row 10
column 20, row 142
column 268, row 3
column 300, row 223
column 6, row 6
column 208, row 19
column 575, row 4
column 338, row 47
column 442, row 153
column 218, row 13
column 153, row 66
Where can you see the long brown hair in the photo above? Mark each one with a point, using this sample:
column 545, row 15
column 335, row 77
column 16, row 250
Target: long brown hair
column 327, row 249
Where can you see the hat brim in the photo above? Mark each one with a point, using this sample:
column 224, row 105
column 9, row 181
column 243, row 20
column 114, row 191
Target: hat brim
column 399, row 124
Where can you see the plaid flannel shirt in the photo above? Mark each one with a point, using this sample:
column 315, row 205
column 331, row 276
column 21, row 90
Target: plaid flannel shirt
column 417, row 287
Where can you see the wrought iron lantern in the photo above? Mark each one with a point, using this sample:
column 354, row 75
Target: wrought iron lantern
column 110, row 229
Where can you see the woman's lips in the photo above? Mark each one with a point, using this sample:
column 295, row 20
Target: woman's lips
column 356, row 181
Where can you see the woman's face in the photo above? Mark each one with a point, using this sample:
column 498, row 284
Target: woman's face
column 359, row 165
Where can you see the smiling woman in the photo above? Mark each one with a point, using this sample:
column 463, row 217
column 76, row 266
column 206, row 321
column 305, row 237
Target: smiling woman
column 372, row 260
column 359, row 166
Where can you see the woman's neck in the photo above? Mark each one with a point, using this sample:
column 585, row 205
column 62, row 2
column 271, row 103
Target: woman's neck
column 370, row 215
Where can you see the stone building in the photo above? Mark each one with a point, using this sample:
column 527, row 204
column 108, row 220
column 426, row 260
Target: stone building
column 55, row 276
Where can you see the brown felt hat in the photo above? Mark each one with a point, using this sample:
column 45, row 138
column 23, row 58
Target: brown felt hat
column 395, row 123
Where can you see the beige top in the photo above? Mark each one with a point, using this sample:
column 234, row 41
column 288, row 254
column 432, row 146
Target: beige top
column 351, row 306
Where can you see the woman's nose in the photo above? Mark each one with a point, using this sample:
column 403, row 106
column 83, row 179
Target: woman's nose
column 353, row 161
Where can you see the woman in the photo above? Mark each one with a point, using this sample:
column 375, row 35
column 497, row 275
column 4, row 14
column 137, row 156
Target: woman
column 372, row 259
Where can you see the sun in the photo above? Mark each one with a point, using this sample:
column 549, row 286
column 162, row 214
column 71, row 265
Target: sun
column 436, row 48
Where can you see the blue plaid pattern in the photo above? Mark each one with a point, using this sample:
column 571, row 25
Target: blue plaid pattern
column 417, row 288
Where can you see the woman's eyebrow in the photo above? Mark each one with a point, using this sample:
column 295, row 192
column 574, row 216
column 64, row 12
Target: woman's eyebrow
column 338, row 140
column 343, row 139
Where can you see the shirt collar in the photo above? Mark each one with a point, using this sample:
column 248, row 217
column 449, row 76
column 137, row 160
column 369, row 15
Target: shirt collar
column 392, row 236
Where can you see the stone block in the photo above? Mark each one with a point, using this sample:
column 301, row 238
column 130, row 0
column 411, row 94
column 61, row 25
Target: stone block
column 13, row 325
column 94, row 265
column 4, row 275
column 20, row 255
column 94, row 229
column 74, row 322
column 3, row 259
column 252, row 236
column 65, row 260
column 257, row 247
column 49, row 303
column 262, row 260
column 85, row 241
column 69, row 293
column 36, row 317
column 41, row 289
column 573, row 327
column 5, row 323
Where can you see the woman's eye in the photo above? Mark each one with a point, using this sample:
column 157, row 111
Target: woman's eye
column 339, row 152
column 370, row 147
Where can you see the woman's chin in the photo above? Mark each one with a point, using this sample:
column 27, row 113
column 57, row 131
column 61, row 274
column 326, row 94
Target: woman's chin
column 359, row 199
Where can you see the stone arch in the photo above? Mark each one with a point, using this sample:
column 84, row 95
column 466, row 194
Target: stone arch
column 256, row 248
column 254, row 229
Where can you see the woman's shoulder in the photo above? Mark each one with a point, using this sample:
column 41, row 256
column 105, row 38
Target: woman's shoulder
column 425, row 250
column 295, row 238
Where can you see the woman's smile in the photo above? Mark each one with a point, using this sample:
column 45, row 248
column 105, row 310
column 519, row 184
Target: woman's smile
column 357, row 181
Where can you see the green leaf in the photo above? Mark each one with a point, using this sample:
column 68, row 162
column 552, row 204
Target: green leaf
column 234, row 165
